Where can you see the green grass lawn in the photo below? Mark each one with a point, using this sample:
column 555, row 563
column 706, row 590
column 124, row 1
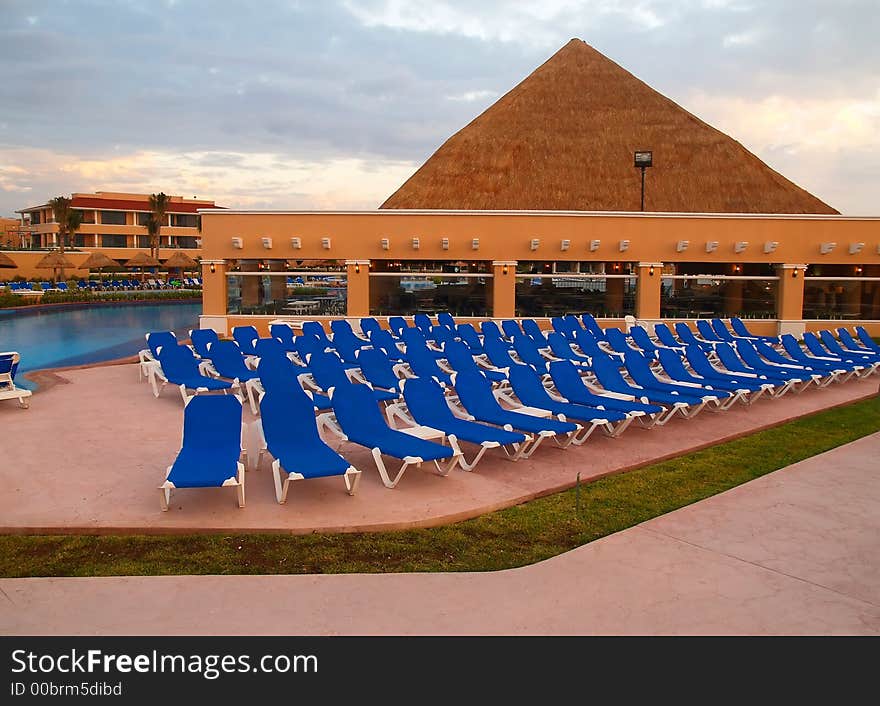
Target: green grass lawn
column 513, row 537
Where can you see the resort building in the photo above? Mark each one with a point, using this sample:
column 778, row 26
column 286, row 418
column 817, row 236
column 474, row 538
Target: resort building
column 113, row 223
column 535, row 209
column 9, row 233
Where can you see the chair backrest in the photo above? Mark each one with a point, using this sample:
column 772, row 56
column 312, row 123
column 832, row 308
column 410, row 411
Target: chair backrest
column 673, row 365
column 530, row 328
column 157, row 339
column 813, row 345
column 279, row 375
column 564, row 327
column 831, row 343
column 316, row 329
column 639, row 369
column 245, row 336
column 528, row 352
column 730, row 360
column 226, row 356
column 588, row 344
column 490, row 329
column 665, row 336
column 642, row 339
column 739, row 328
column 397, row 324
column 178, row 362
column 617, row 340
column 212, row 422
column 559, row 345
column 422, row 323
column 706, row 330
column 590, row 323
column 340, row 325
column 566, row 378
column 444, row 318
column 368, row 325
column 749, row 354
column 685, row 334
column 498, row 351
column 358, row 413
column 327, row 369
column 413, row 337
column 306, row 345
column 510, row 328
column 270, row 348
column 284, row 334
column 468, row 334
column 288, row 414
column 459, row 357
column 475, row 393
column 377, row 368
column 347, row 344
column 441, row 334
column 201, row 338
column 721, row 330
column 422, row 361
column 528, row 386
column 426, row 402
column 9, row 361
column 384, row 341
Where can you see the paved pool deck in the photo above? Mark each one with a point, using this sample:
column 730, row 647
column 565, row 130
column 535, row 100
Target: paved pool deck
column 794, row 552
column 90, row 453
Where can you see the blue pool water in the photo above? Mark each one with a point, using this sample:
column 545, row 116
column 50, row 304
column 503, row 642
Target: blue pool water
column 78, row 335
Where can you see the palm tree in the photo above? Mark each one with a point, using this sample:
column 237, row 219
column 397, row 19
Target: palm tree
column 158, row 207
column 69, row 221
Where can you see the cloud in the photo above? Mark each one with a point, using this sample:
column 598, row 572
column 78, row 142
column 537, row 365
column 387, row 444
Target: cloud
column 472, row 96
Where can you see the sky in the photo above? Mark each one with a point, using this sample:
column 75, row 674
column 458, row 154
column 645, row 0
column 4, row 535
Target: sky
column 332, row 105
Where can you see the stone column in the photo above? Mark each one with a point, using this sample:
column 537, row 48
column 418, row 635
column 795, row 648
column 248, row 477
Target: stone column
column 790, row 298
column 503, row 299
column 358, row 287
column 648, row 290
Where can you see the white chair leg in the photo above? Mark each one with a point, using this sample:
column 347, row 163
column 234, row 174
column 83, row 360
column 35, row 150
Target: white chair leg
column 352, row 478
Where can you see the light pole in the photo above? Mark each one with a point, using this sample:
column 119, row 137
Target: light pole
column 643, row 159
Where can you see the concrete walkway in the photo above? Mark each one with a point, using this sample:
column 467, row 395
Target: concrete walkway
column 89, row 455
column 794, row 552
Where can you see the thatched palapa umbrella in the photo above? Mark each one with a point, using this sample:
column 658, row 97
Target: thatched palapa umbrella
column 181, row 261
column 98, row 261
column 55, row 261
column 142, row 260
column 6, row 261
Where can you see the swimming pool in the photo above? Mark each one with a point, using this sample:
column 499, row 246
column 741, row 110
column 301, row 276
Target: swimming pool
column 82, row 334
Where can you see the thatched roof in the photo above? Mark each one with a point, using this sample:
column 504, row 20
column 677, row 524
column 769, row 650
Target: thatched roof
column 54, row 260
column 181, row 259
column 142, row 260
column 6, row 261
column 96, row 261
column 564, row 138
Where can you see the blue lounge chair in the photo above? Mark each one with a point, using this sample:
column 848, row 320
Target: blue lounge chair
column 591, row 325
column 316, row 329
column 444, row 318
column 179, row 366
column 666, row 337
column 511, row 328
column 562, row 349
column 778, row 376
column 527, row 351
column 228, row 362
column 498, row 352
column 358, row 420
column 569, row 383
column 290, row 432
column 327, row 372
column 739, row 328
column 476, row 396
column 674, row 367
column 347, row 344
column 469, row 336
column 530, row 328
column 210, row 455
column 426, row 405
column 368, row 325
column 639, row 368
column 722, row 332
column 245, row 336
column 424, row 363
column 423, row 323
column 62, row 287
column 149, row 355
column 459, row 358
column 284, row 376
column 689, row 338
column 619, row 343
column 378, row 370
column 201, row 338
column 397, row 325
column 9, row 362
column 750, row 355
column 851, row 343
column 793, row 348
column 344, row 327
column 591, row 347
column 702, row 366
column 490, row 329
column 861, row 357
column 530, row 391
column 269, row 347
column 866, row 339
column 706, row 330
column 284, row 335
column 384, row 341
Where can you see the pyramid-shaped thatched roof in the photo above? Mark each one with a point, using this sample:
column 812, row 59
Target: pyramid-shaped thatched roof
column 564, row 138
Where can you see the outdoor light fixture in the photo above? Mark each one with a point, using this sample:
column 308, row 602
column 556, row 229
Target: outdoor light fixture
column 325, row 243
column 682, row 245
column 504, row 269
column 642, row 160
column 475, row 244
column 415, row 243
column 267, row 243
column 651, row 271
column 296, row 243
column 740, row 246
column 855, row 248
column 386, row 243
column 444, row 243
column 826, row 248
column 594, row 245
column 858, row 270
column 357, row 268
column 565, row 244
column 770, row 246
column 794, row 273
column 624, row 245
column 712, row 246
column 737, row 268
column 535, row 242
column 236, row 243
column 213, row 268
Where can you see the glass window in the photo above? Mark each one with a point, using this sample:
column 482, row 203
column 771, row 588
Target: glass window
column 113, row 218
column 842, row 298
column 575, row 293
column 35, row 218
column 185, row 241
column 142, row 218
column 88, row 216
column 142, row 241
column 266, row 287
column 708, row 296
column 185, row 220
column 113, row 241
column 462, row 294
